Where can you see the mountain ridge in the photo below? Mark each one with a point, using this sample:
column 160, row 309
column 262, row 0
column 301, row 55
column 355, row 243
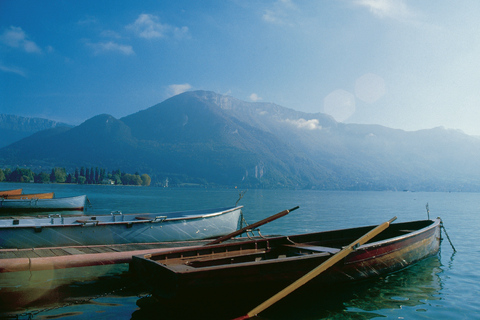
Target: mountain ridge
column 14, row 128
column 210, row 139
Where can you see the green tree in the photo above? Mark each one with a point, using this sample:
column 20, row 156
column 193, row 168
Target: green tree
column 117, row 179
column 146, row 180
column 42, row 177
column 2, row 175
column 21, row 175
column 102, row 175
column 131, row 179
column 60, row 175
column 7, row 173
column 81, row 180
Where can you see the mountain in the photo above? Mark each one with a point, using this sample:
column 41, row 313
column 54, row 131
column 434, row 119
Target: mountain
column 205, row 138
column 14, row 128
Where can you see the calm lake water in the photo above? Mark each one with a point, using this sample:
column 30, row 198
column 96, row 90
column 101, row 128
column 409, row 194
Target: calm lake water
column 446, row 286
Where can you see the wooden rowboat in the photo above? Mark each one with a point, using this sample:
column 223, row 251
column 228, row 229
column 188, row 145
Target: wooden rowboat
column 47, row 195
column 4, row 193
column 41, row 205
column 257, row 269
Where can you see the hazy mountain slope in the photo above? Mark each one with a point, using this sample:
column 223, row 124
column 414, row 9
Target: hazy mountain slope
column 14, row 128
column 210, row 141
column 206, row 138
column 98, row 141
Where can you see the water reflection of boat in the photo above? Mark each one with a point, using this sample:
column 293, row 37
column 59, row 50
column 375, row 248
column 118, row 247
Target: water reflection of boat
column 409, row 288
column 374, row 298
column 21, row 291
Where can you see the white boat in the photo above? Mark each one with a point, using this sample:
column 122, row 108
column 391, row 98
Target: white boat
column 38, row 205
column 117, row 228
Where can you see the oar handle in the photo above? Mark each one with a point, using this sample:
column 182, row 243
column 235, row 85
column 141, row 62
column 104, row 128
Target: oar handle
column 253, row 225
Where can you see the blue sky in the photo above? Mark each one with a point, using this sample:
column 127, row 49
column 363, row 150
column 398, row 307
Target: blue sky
column 403, row 64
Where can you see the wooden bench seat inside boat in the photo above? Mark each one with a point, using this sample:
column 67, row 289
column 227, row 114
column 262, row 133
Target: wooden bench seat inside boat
column 222, row 258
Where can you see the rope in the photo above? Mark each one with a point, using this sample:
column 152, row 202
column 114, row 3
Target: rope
column 443, row 227
column 89, row 204
column 243, row 220
column 240, row 196
column 290, row 240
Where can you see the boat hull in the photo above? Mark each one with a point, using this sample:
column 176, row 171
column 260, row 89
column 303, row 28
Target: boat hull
column 10, row 192
column 257, row 274
column 117, row 228
column 42, row 205
column 47, row 195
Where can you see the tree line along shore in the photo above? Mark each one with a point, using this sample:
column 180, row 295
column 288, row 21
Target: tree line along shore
column 80, row 176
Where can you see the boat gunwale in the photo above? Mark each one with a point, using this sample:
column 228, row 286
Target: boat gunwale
column 187, row 269
column 74, row 198
column 411, row 234
column 78, row 222
column 29, row 196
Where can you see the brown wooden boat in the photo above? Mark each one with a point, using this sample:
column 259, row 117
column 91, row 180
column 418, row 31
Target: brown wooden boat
column 47, row 195
column 5, row 193
column 260, row 268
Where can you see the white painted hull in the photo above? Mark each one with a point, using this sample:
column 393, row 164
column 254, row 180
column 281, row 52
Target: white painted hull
column 56, row 231
column 38, row 205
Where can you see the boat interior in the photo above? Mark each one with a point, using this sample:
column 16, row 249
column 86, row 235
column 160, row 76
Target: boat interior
column 319, row 244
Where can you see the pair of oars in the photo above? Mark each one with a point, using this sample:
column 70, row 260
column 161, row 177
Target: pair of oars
column 315, row 272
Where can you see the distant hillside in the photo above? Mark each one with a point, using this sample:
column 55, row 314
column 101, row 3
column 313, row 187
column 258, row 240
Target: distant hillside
column 205, row 138
column 14, row 128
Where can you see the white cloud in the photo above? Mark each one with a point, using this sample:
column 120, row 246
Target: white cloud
column 395, row 9
column 280, row 12
column 13, row 70
column 88, row 20
column 312, row 124
column 110, row 34
column 15, row 37
column 148, row 26
column 254, row 97
column 175, row 89
column 103, row 47
column 180, row 32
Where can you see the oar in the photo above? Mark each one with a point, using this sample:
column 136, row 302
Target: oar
column 315, row 272
column 254, row 225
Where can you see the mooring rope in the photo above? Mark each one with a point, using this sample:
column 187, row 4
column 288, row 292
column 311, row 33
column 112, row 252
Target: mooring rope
column 443, row 227
column 240, row 196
